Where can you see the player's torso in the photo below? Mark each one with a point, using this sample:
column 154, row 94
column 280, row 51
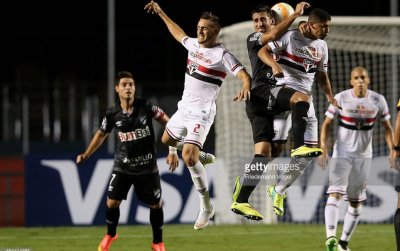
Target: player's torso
column 205, row 72
column 356, row 121
column 261, row 73
column 135, row 151
column 299, row 61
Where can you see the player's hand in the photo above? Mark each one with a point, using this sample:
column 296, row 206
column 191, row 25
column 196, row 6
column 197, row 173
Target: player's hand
column 81, row 158
column 300, row 7
column 323, row 160
column 153, row 7
column 172, row 161
column 277, row 70
column 243, row 94
column 334, row 102
column 394, row 159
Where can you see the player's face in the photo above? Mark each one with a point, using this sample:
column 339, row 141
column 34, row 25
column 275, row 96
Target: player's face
column 125, row 88
column 207, row 33
column 261, row 22
column 321, row 29
column 360, row 81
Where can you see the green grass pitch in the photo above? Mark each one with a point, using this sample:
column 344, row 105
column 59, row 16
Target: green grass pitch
column 279, row 237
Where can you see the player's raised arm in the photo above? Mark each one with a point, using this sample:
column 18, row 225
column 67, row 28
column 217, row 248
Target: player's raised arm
column 285, row 24
column 173, row 28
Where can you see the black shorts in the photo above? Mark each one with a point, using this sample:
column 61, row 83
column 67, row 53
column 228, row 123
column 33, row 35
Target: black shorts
column 397, row 186
column 147, row 187
column 265, row 102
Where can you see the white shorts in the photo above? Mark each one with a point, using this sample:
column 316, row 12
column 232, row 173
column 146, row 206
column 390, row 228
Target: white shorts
column 194, row 128
column 349, row 176
column 283, row 123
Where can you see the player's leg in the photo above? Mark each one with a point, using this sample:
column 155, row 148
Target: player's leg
column 117, row 191
column 311, row 140
column 148, row 190
column 172, row 136
column 397, row 214
column 282, row 126
column 356, row 193
column 339, row 172
column 197, row 130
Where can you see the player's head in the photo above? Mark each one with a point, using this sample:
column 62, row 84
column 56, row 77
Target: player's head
column 359, row 81
column 263, row 18
column 319, row 22
column 125, row 85
column 208, row 29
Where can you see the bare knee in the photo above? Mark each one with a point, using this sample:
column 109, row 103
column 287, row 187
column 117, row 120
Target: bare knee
column 337, row 196
column 263, row 148
column 354, row 204
column 298, row 97
column 113, row 203
column 156, row 206
column 190, row 154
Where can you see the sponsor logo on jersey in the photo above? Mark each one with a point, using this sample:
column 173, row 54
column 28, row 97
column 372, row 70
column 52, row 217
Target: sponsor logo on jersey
column 135, row 135
column 138, row 161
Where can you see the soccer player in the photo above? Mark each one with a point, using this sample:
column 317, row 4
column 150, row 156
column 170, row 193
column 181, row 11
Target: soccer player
column 394, row 161
column 302, row 59
column 135, row 160
column 266, row 30
column 208, row 63
column 352, row 153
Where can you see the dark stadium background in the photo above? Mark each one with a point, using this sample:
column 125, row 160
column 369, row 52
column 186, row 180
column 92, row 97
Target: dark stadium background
column 49, row 42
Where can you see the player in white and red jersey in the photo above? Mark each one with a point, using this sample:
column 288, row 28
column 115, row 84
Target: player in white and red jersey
column 302, row 60
column 360, row 109
column 208, row 64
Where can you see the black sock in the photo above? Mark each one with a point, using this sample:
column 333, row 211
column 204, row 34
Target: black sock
column 397, row 227
column 157, row 221
column 251, row 177
column 112, row 217
column 343, row 244
column 299, row 123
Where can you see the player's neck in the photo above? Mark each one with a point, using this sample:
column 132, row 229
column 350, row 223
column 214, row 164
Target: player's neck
column 127, row 105
column 360, row 94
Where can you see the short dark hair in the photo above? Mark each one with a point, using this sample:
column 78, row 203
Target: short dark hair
column 318, row 16
column 122, row 74
column 260, row 8
column 208, row 15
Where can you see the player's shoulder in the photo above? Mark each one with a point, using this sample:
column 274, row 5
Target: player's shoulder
column 252, row 37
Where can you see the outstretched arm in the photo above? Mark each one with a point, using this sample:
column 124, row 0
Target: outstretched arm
column 173, row 28
column 95, row 143
column 323, row 159
column 243, row 94
column 325, row 85
column 284, row 25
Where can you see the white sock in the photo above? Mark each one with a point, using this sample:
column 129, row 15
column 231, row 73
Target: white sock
column 199, row 178
column 331, row 216
column 293, row 174
column 350, row 222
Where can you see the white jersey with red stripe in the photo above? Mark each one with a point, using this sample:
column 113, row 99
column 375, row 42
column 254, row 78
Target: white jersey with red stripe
column 300, row 58
column 357, row 118
column 205, row 71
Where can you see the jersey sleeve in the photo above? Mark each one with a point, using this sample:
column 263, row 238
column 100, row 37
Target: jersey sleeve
column 154, row 111
column 107, row 123
column 332, row 110
column 383, row 108
column 188, row 42
column 254, row 41
column 280, row 44
column 231, row 63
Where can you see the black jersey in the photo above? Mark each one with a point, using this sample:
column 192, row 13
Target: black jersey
column 135, row 151
column 261, row 73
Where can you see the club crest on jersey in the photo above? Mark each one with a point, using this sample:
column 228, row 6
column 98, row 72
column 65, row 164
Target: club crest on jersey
column 192, row 67
column 308, row 64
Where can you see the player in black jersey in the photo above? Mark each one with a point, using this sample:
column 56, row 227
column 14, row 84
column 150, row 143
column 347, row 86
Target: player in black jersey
column 262, row 122
column 135, row 160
